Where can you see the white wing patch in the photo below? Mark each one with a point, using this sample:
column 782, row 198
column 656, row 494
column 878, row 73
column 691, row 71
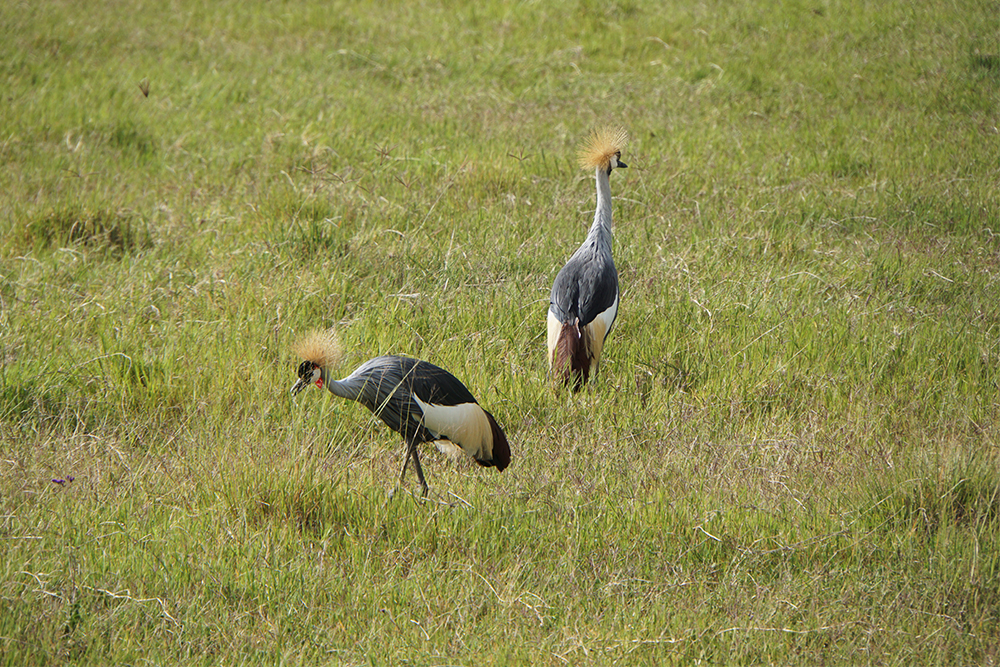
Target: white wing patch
column 599, row 330
column 465, row 425
column 449, row 449
column 555, row 326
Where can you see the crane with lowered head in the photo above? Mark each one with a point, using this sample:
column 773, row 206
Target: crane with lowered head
column 420, row 401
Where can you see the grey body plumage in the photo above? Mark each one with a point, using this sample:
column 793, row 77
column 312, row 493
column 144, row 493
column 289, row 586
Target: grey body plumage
column 587, row 285
column 387, row 386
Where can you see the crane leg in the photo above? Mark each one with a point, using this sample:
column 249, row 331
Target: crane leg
column 411, row 453
column 420, row 471
column 406, row 462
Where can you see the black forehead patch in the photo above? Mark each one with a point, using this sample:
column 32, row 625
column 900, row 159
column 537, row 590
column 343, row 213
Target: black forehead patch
column 306, row 369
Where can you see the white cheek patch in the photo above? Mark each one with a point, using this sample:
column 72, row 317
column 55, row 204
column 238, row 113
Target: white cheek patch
column 465, row 425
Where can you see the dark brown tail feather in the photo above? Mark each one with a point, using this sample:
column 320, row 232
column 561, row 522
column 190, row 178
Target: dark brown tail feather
column 501, row 448
column 572, row 363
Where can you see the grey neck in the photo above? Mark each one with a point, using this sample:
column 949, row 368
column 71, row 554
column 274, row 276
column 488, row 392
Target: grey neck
column 601, row 229
column 349, row 388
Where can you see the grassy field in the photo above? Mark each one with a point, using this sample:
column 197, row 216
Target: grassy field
column 790, row 455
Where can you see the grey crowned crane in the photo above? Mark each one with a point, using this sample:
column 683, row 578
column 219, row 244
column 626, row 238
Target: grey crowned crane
column 584, row 299
column 418, row 400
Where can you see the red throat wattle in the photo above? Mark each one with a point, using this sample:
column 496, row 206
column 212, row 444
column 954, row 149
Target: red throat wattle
column 319, row 383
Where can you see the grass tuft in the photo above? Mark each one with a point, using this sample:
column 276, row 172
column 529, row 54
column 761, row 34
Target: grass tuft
column 97, row 229
column 963, row 495
column 131, row 139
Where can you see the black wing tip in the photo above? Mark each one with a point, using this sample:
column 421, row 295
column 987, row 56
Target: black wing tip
column 501, row 448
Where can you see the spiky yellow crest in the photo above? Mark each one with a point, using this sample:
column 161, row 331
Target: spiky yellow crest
column 320, row 347
column 601, row 146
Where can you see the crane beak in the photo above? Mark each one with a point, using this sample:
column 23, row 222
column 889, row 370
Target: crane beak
column 299, row 386
column 622, row 165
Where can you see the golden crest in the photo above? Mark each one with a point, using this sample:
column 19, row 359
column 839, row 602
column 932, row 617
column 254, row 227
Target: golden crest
column 601, row 146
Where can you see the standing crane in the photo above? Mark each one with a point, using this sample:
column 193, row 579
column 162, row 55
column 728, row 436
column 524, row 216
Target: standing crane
column 418, row 400
column 584, row 299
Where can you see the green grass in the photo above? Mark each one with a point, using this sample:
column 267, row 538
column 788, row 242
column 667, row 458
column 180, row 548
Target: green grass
column 790, row 455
